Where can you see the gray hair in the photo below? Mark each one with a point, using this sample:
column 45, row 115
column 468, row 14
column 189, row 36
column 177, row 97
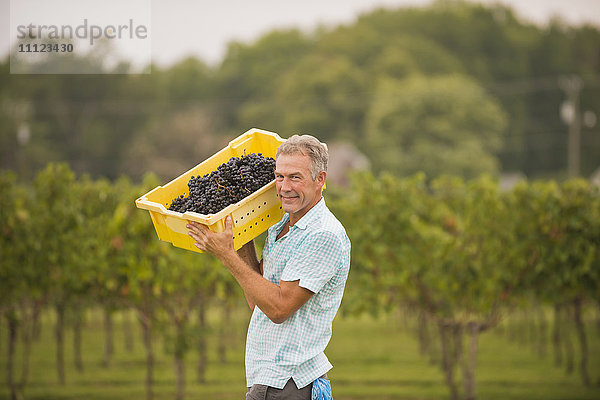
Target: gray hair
column 308, row 146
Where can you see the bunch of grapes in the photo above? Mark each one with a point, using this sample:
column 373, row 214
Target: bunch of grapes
column 230, row 183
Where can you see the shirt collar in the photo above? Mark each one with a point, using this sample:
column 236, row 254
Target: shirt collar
column 279, row 225
column 310, row 216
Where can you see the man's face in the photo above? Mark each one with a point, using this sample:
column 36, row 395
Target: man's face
column 295, row 186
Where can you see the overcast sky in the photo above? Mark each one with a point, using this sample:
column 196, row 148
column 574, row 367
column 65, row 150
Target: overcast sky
column 203, row 28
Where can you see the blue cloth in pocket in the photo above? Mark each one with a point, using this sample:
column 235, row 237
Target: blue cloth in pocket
column 321, row 390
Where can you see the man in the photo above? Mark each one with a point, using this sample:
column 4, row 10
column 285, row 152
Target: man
column 297, row 287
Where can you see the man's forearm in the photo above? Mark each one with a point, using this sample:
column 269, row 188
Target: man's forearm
column 258, row 290
column 277, row 301
column 248, row 254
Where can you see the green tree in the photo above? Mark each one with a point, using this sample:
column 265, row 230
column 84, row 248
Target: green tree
column 437, row 247
column 558, row 236
column 249, row 73
column 59, row 225
column 141, row 256
column 20, row 294
column 320, row 95
column 98, row 199
column 445, row 124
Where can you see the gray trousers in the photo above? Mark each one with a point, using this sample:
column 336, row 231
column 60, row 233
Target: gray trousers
column 289, row 392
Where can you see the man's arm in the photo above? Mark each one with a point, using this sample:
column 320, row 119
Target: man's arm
column 248, row 254
column 278, row 302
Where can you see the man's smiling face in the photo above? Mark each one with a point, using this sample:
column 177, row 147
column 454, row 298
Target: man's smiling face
column 297, row 191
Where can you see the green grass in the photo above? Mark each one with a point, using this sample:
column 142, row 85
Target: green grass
column 376, row 360
column 373, row 359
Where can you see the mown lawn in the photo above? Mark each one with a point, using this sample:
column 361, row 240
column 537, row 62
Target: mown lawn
column 373, row 359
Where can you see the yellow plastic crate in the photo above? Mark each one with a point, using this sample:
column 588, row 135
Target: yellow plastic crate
column 251, row 216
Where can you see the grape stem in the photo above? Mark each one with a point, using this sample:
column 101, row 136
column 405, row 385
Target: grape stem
column 221, row 186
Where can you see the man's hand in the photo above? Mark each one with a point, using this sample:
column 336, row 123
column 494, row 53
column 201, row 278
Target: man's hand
column 218, row 244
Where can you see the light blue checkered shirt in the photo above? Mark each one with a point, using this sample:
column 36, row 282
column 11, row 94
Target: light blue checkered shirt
column 316, row 251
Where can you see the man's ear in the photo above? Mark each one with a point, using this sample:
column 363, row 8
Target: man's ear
column 321, row 177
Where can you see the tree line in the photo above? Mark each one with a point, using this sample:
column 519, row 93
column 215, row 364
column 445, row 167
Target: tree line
column 451, row 87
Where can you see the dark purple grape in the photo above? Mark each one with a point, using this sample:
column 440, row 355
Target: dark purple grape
column 229, row 183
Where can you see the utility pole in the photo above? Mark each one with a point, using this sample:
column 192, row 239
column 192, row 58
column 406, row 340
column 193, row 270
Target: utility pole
column 571, row 114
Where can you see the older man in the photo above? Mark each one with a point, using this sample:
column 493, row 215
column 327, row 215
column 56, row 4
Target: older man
column 297, row 287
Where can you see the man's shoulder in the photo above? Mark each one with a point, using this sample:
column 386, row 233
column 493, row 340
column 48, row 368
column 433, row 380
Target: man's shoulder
column 330, row 221
column 328, row 226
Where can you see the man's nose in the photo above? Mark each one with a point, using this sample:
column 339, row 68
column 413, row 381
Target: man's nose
column 285, row 184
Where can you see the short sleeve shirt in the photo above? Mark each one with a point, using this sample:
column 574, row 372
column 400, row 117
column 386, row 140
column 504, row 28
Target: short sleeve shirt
column 315, row 252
